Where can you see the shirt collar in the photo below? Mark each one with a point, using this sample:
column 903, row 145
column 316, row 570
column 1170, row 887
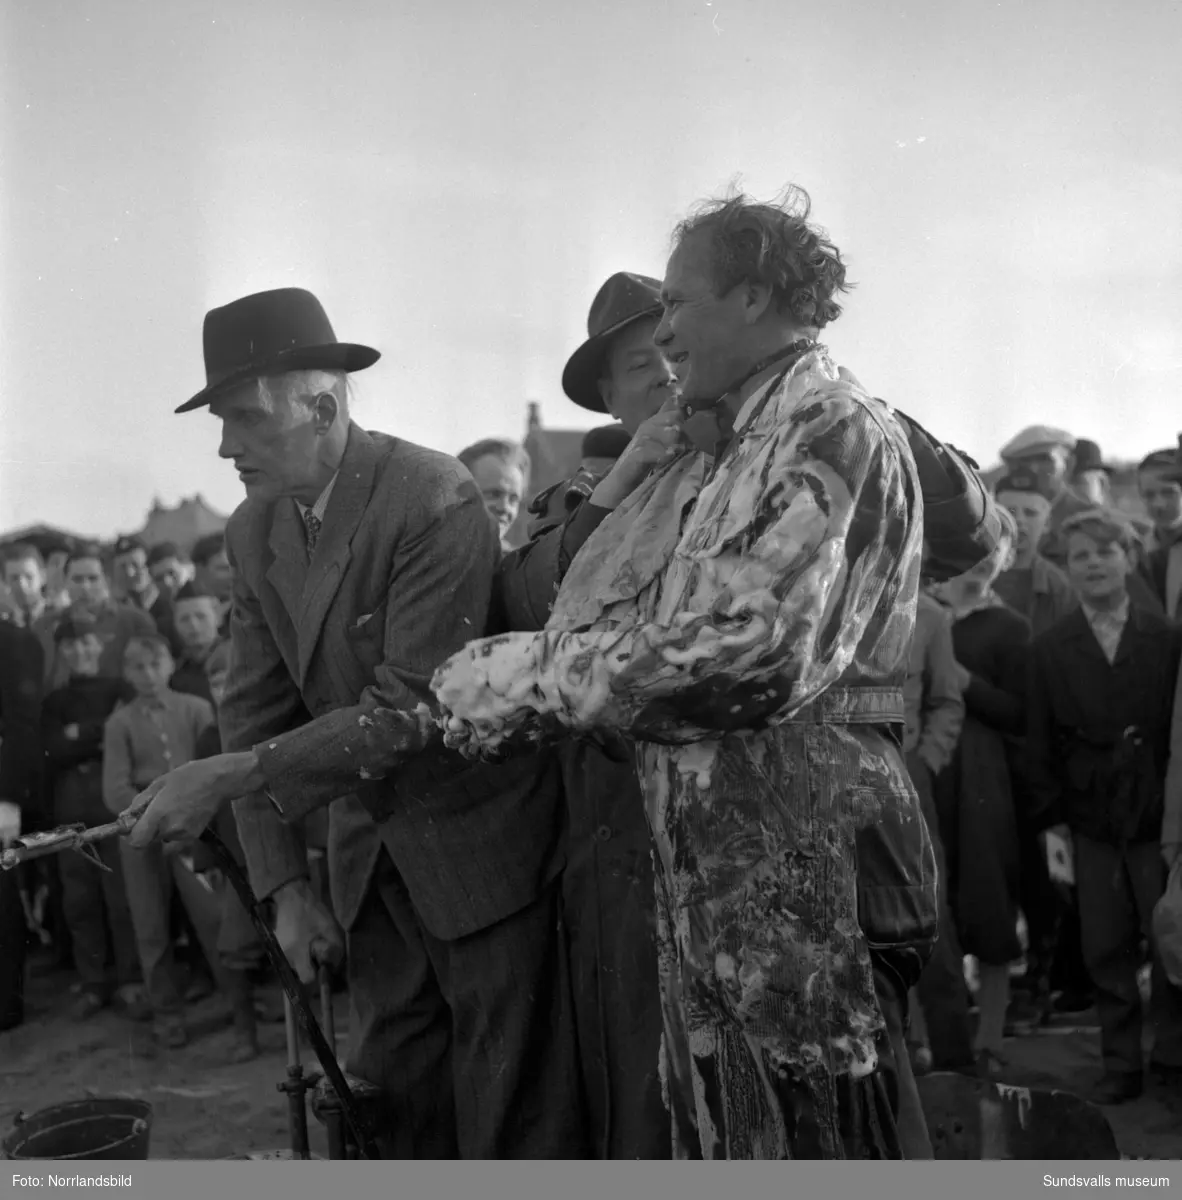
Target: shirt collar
column 320, row 507
column 1117, row 616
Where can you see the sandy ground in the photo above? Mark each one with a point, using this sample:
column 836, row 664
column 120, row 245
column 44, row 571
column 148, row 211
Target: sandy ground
column 204, row 1108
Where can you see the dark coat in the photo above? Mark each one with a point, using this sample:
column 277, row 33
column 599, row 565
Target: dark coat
column 22, row 671
column 976, row 794
column 400, row 580
column 1099, row 733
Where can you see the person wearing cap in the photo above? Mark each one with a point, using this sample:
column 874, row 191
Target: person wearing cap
column 1091, row 476
column 94, row 901
column 359, row 561
column 1046, row 452
column 169, row 568
column 1038, row 590
column 134, row 581
column 21, row 790
column 1032, row 585
column 500, row 470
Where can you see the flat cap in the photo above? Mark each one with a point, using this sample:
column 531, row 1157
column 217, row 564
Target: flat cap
column 1020, row 479
column 1035, row 439
column 129, row 544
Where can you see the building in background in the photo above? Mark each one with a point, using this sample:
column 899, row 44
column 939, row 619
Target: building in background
column 183, row 525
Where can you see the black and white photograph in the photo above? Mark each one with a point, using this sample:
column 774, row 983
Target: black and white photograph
column 564, row 565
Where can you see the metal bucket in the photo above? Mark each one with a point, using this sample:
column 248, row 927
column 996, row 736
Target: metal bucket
column 970, row 1118
column 104, row 1127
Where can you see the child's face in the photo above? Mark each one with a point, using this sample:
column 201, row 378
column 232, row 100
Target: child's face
column 197, row 622
column 148, row 671
column 1097, row 570
column 217, row 685
column 82, row 654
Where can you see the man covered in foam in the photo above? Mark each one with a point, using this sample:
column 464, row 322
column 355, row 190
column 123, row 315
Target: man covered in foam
column 747, row 621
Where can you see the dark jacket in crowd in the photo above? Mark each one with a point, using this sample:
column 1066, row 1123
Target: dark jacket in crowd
column 977, row 796
column 190, row 679
column 76, row 764
column 22, row 667
column 1155, row 567
column 1041, row 593
column 1099, row 733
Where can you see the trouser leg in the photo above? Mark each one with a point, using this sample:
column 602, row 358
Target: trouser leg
column 514, row 1061
column 941, row 987
column 1111, row 934
column 149, row 897
column 400, row 1026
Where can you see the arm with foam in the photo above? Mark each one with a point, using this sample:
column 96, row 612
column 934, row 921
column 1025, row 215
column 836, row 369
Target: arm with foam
column 801, row 559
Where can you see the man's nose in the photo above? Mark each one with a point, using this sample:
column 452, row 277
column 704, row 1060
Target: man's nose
column 229, row 446
column 664, row 332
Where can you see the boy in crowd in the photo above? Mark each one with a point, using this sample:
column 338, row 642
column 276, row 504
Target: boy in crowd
column 198, row 615
column 155, row 732
column 1101, row 696
column 115, row 623
column 169, row 568
column 934, row 710
column 1032, row 586
column 94, row 901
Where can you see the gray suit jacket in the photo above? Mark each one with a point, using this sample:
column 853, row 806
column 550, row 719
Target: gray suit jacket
column 400, row 580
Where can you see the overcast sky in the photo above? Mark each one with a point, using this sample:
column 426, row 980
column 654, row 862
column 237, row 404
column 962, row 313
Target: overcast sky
column 455, row 180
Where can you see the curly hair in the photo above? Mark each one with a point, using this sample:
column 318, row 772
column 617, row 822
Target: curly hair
column 773, row 245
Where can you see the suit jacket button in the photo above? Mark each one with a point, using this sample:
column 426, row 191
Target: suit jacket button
column 604, row 833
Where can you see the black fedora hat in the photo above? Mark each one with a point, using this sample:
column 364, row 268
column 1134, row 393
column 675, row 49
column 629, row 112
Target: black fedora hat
column 1089, row 458
column 623, row 299
column 267, row 334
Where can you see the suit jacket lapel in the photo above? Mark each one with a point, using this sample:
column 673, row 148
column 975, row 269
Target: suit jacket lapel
column 289, row 564
column 346, row 507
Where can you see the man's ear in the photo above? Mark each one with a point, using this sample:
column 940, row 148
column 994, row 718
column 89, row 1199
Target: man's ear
column 757, row 299
column 325, row 410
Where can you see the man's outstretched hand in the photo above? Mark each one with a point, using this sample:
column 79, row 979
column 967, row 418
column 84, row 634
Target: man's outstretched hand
column 178, row 806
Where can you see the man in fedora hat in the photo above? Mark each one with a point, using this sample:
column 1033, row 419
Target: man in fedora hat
column 359, row 562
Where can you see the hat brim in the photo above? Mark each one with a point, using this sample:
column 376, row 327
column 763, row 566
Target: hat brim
column 580, row 376
column 339, row 356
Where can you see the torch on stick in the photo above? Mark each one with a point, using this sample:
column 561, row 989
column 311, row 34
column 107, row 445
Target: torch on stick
column 63, row 838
